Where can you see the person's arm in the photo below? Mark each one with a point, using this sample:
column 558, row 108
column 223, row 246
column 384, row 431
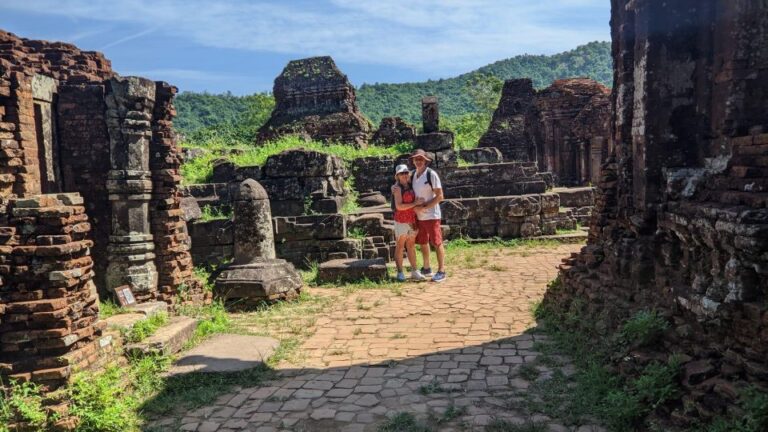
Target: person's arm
column 435, row 200
column 437, row 189
column 398, row 197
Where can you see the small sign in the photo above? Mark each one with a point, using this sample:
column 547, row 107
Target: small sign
column 125, row 296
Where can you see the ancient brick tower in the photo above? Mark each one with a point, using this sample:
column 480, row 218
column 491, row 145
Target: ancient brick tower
column 88, row 202
column 315, row 100
column 682, row 219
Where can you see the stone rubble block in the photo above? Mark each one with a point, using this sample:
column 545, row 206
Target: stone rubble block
column 352, row 270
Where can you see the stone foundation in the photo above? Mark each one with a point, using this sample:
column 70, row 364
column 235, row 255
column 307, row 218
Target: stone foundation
column 49, row 302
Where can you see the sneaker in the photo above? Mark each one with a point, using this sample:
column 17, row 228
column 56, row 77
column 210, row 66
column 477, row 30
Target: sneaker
column 417, row 276
column 400, row 276
column 426, row 271
column 439, row 277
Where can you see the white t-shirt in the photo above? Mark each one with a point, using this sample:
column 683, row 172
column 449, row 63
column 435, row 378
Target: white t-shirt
column 422, row 190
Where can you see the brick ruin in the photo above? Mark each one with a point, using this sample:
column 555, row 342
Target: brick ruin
column 681, row 224
column 89, row 202
column 307, row 191
column 564, row 127
column 314, row 99
column 393, row 130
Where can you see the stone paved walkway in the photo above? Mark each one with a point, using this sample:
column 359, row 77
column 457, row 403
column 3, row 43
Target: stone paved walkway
column 453, row 355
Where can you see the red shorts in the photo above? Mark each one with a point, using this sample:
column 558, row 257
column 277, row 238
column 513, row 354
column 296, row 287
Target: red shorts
column 429, row 232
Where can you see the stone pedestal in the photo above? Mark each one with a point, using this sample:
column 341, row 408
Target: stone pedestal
column 255, row 274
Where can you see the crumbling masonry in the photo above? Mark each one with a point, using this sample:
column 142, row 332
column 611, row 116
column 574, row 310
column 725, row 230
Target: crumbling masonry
column 88, row 203
column 681, row 224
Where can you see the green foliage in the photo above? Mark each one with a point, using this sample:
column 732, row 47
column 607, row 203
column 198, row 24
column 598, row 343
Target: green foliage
column 198, row 111
column 402, row 422
column 212, row 319
column 203, row 274
column 620, row 403
column 200, row 114
column 499, row 425
column 356, row 233
column 108, row 308
column 467, row 128
column 104, row 402
column 209, row 213
column 592, row 60
column 21, row 402
column 145, row 328
column 200, row 169
column 753, row 418
column 644, row 328
column 484, row 90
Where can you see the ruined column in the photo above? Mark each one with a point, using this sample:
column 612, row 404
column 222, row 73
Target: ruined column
column 430, row 114
column 130, row 101
column 254, row 236
column 256, row 275
column 433, row 140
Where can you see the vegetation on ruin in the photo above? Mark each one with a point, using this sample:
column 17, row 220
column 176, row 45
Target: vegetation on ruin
column 108, row 308
column 216, row 145
column 209, row 213
column 595, row 390
column 145, row 328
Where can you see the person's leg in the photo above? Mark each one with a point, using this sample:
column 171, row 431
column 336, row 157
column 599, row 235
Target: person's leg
column 399, row 252
column 437, row 241
column 440, row 252
column 422, row 238
column 410, row 249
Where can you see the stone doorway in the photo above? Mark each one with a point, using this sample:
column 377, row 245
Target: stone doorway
column 44, row 94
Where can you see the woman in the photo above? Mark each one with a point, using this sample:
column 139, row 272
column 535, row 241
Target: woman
column 404, row 200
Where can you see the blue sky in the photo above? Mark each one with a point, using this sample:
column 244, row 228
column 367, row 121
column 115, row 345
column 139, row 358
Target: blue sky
column 242, row 45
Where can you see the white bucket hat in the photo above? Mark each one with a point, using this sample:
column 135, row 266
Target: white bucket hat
column 401, row 169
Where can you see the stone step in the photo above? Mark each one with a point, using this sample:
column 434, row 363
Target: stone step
column 351, row 270
column 167, row 340
column 137, row 312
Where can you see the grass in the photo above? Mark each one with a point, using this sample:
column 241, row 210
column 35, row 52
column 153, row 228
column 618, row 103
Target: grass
column 595, row 391
column 433, row 387
column 145, row 328
column 499, row 425
column 290, row 322
column 642, row 329
column 210, row 213
column 108, row 308
column 200, row 169
column 403, row 422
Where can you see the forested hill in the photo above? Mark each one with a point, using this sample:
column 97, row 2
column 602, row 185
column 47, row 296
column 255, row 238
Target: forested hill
column 198, row 110
column 381, row 100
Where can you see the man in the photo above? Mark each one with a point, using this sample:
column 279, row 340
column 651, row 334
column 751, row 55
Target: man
column 427, row 186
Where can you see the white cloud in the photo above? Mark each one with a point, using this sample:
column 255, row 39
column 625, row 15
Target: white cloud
column 441, row 36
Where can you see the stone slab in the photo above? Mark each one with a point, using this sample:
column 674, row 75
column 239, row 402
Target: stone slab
column 351, row 270
column 168, row 339
column 124, row 321
column 226, row 353
column 149, row 308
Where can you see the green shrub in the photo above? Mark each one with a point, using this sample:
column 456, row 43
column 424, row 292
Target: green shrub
column 21, row 402
column 210, row 213
column 104, row 401
column 644, row 328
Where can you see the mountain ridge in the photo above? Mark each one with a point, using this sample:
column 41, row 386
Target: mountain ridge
column 593, row 60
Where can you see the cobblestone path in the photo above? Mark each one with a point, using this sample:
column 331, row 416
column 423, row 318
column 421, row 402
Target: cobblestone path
column 452, row 355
